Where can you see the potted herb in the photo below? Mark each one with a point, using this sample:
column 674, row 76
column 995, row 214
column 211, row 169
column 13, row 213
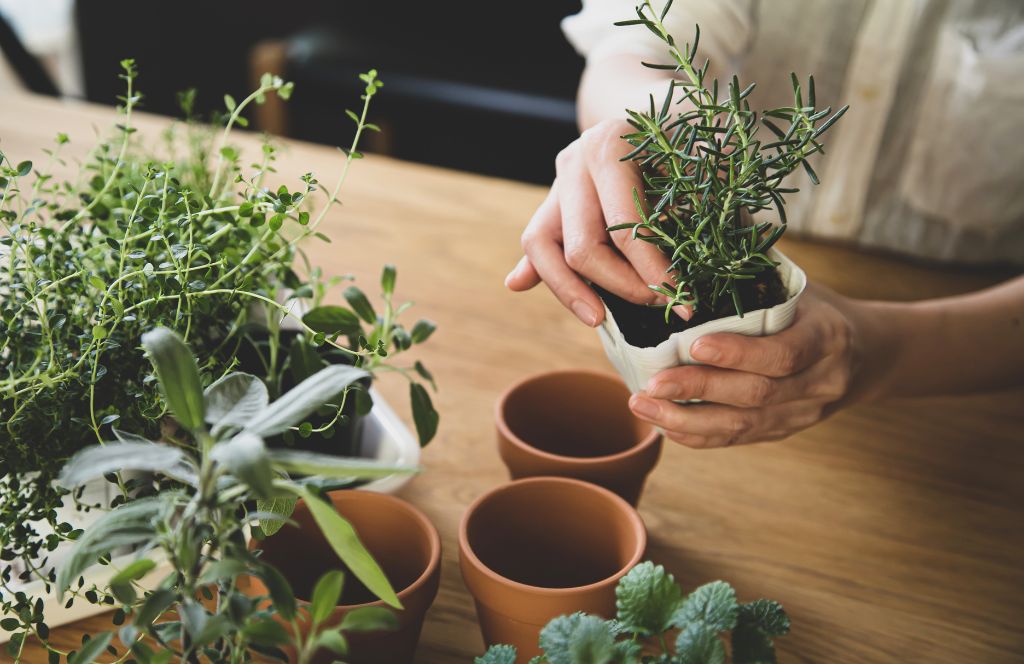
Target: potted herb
column 401, row 540
column 706, row 171
column 187, row 235
column 652, row 612
column 197, row 611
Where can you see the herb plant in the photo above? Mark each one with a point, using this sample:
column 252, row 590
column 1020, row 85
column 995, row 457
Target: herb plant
column 650, row 605
column 198, row 612
column 184, row 234
column 704, row 169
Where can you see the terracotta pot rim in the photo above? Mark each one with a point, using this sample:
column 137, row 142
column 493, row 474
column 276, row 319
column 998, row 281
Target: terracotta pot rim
column 631, row 514
column 646, row 442
column 432, row 535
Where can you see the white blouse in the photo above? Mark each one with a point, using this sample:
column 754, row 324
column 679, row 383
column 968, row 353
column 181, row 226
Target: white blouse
column 928, row 161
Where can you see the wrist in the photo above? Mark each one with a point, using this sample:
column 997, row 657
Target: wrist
column 881, row 334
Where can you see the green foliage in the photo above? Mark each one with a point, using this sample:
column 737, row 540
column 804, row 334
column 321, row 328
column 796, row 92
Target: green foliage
column 199, row 529
column 705, row 170
column 183, row 234
column 650, row 605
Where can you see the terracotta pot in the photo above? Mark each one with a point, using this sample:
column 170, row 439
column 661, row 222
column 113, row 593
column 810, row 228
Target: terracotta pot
column 538, row 548
column 576, row 423
column 400, row 538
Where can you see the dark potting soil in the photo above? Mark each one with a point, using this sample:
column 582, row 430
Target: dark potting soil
column 645, row 326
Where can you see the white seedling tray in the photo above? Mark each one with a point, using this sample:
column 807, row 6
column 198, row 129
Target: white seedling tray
column 638, row 365
column 385, row 438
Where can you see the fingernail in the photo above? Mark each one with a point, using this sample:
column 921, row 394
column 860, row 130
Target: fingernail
column 686, row 313
column 508, row 278
column 584, row 312
column 661, row 390
column 644, row 407
column 704, row 351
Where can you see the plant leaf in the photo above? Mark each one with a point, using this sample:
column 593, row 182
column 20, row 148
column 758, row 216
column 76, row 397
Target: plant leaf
column 234, row 400
column 178, row 375
column 333, row 640
column 369, row 619
column 92, row 648
column 330, row 319
column 245, row 455
column 326, row 595
column 698, row 644
column 346, row 543
column 280, row 591
column 713, row 604
column 98, row 460
column 422, row 330
column 300, row 462
column 126, row 525
column 423, row 413
column 357, row 299
column 501, row 654
column 303, row 360
column 767, row 615
column 578, row 639
column 646, row 599
column 282, row 505
column 304, row 398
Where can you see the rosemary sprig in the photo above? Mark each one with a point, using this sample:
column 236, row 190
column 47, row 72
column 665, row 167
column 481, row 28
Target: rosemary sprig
column 705, row 166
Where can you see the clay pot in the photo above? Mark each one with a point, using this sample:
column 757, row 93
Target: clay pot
column 576, row 423
column 401, row 539
column 538, row 548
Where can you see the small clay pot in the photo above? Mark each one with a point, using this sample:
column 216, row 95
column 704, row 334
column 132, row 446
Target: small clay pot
column 538, row 548
column 401, row 539
column 576, row 423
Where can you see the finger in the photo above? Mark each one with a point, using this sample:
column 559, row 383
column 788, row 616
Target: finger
column 783, row 354
column 585, row 238
column 542, row 244
column 693, row 441
column 615, row 182
column 727, row 386
column 523, row 276
column 702, row 419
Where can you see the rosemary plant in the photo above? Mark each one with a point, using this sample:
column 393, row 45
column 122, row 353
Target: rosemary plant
column 186, row 235
column 705, row 169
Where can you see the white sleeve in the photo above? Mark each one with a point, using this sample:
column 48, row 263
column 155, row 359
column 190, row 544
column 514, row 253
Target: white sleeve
column 725, row 29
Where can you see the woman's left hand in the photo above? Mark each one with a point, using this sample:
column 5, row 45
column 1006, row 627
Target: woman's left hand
column 759, row 388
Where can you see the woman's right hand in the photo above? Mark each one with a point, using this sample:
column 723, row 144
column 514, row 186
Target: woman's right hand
column 567, row 238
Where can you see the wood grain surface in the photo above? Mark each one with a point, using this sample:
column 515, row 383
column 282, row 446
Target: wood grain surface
column 891, row 532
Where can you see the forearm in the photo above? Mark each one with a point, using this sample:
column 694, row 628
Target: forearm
column 614, row 83
column 955, row 345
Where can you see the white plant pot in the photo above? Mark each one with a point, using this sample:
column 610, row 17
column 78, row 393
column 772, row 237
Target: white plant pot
column 638, row 365
column 384, row 437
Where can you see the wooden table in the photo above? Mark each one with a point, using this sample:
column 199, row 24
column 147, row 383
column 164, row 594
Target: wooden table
column 891, row 532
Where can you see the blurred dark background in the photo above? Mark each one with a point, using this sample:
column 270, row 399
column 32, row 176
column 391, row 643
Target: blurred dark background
column 484, row 87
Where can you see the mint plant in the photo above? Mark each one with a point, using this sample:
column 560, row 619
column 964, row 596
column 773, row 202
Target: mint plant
column 650, row 605
column 705, row 171
column 199, row 526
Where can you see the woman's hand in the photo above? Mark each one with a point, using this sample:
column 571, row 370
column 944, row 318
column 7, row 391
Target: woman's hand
column 761, row 388
column 567, row 237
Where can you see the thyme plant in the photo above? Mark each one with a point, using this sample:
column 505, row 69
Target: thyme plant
column 705, row 169
column 199, row 611
column 650, row 606
column 185, row 234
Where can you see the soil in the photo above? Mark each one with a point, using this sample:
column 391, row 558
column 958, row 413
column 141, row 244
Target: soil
column 645, row 327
